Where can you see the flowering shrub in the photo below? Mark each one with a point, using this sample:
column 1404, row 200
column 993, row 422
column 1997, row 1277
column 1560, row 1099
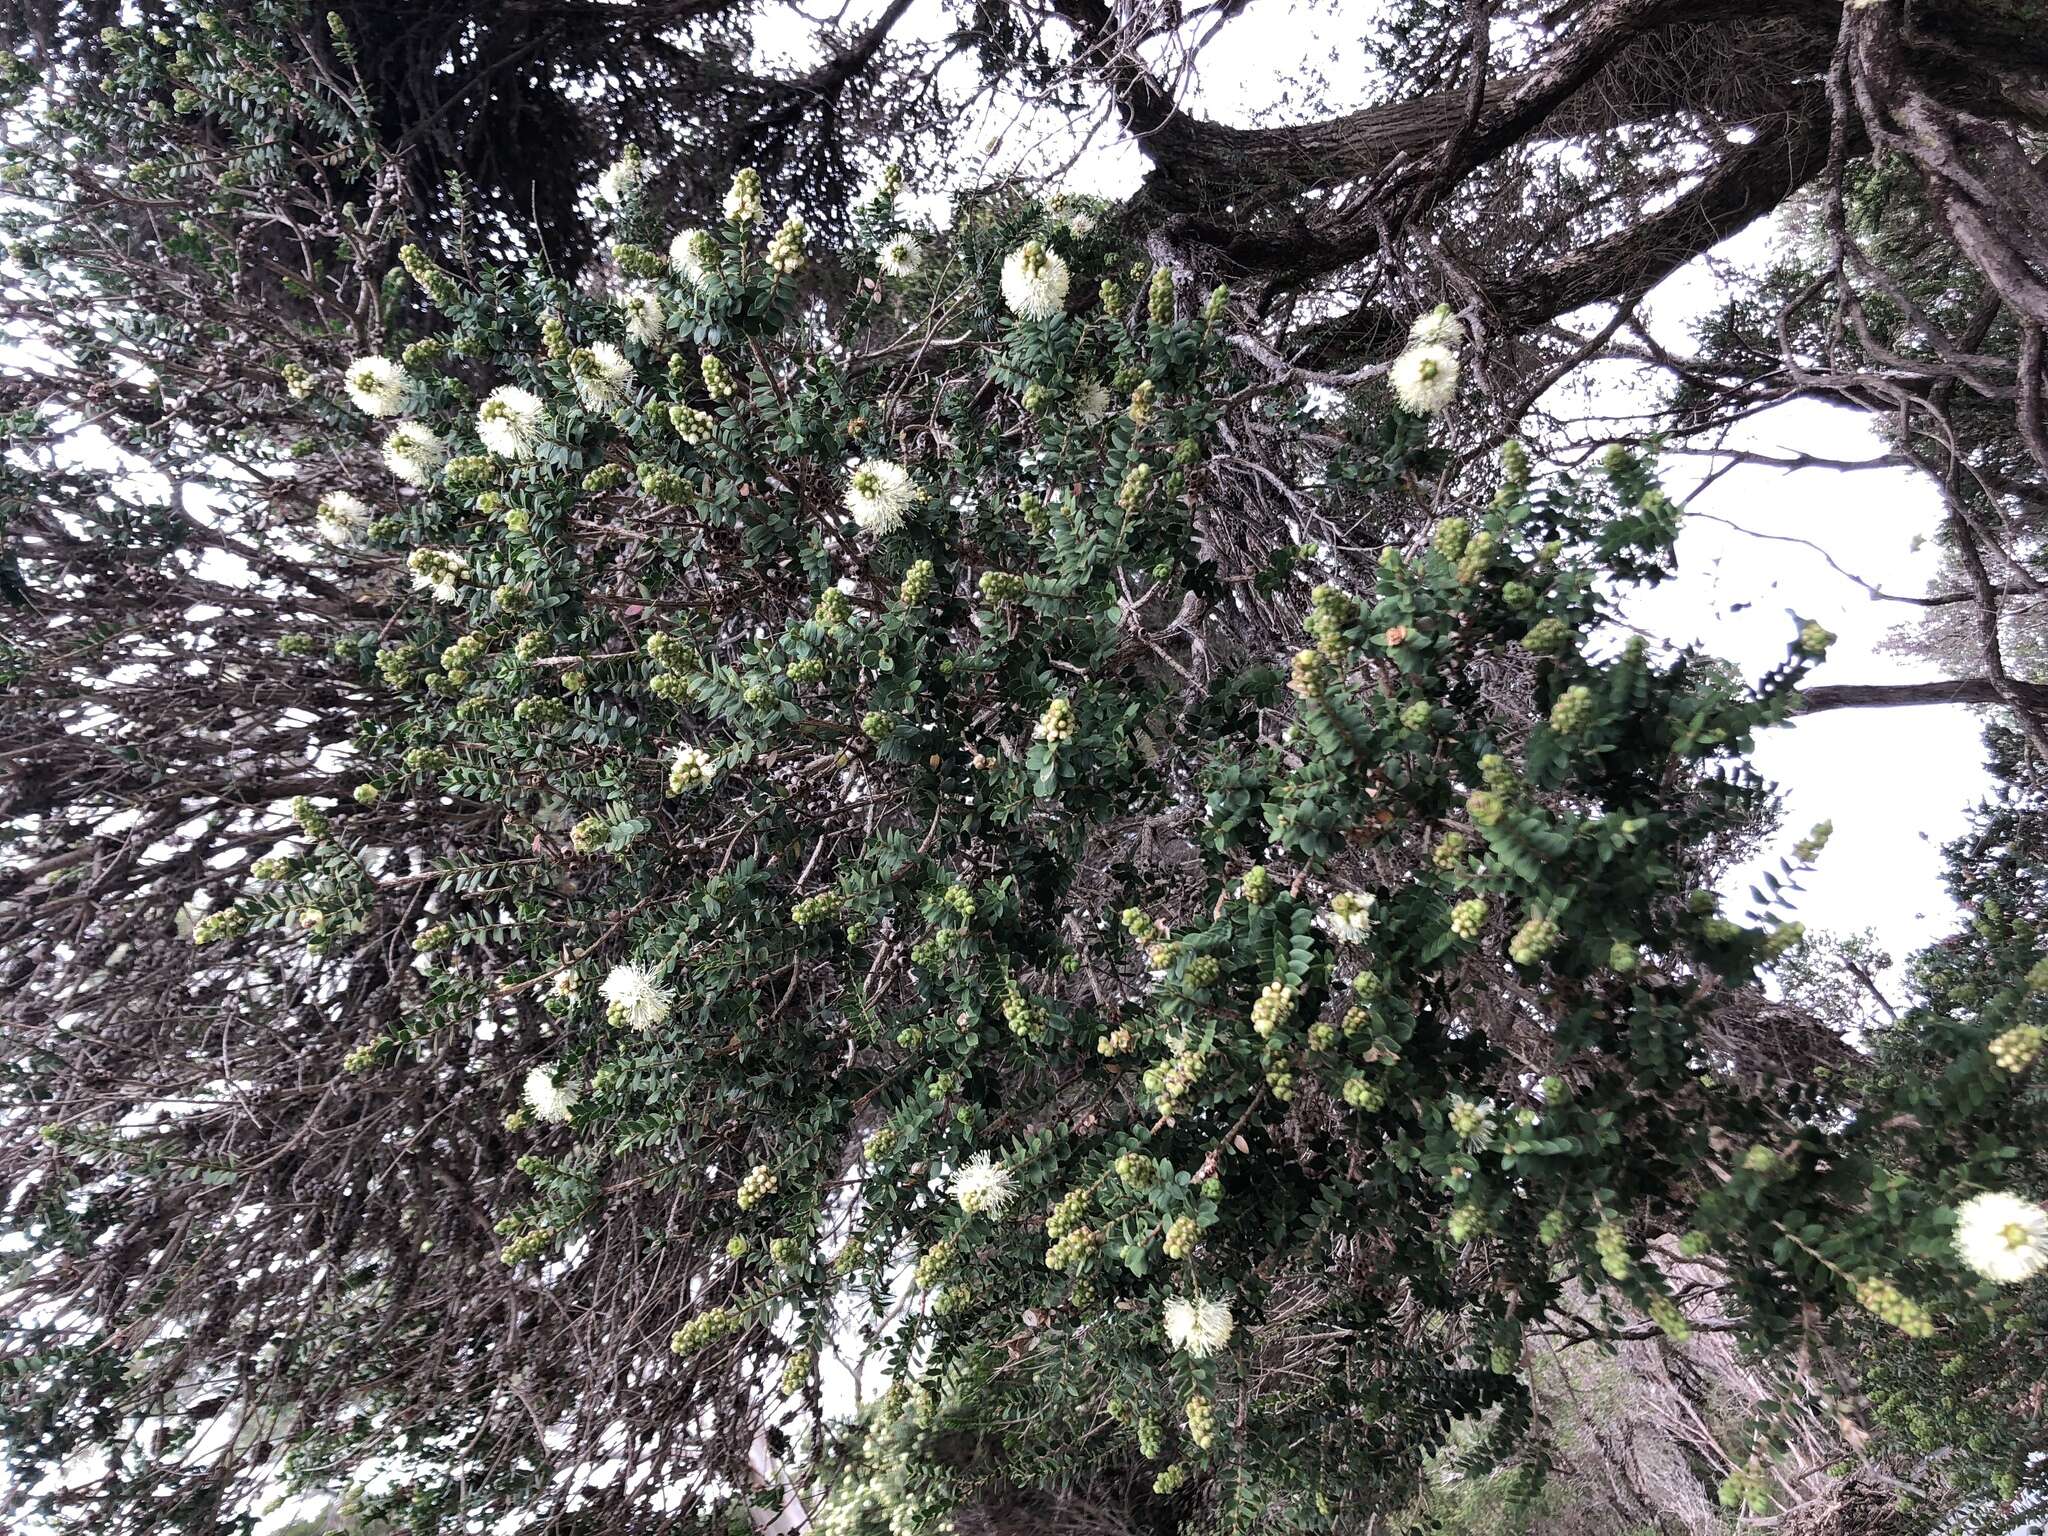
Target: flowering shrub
column 1196, row 1006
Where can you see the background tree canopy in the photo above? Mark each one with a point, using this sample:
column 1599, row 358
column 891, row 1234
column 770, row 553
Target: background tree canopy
column 632, row 772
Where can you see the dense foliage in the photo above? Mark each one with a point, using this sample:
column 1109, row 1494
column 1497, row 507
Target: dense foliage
column 581, row 852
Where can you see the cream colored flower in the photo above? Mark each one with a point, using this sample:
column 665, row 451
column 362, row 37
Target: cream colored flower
column 694, row 255
column 636, row 998
column 601, row 374
column 548, row 1099
column 900, row 256
column 1349, row 917
column 983, row 1185
column 1425, row 378
column 376, row 385
column 642, row 311
column 1436, row 328
column 509, row 422
column 341, row 518
column 1199, row 1326
column 413, row 453
column 1035, row 282
column 2002, row 1237
column 879, row 496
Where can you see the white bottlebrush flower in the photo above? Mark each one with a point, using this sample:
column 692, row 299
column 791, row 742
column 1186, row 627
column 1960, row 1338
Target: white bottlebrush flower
column 1092, row 401
column 1349, row 916
column 743, row 203
column 377, row 385
column 1035, row 282
column 509, row 421
column 879, row 495
column 692, row 769
column 623, row 177
column 1436, row 328
column 601, row 373
column 2002, row 1237
column 439, row 572
column 1425, row 378
column 636, row 997
column 341, row 518
column 1199, row 1326
column 642, row 311
column 900, row 256
column 548, row 1099
column 1081, row 225
column 694, row 255
column 413, row 453
column 983, row 1185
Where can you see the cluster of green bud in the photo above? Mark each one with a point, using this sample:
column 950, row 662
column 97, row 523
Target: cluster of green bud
column 1330, row 612
column 1057, row 725
column 1181, row 1236
column 1611, row 1243
column 1449, row 852
column 1552, row 1228
column 1622, row 957
column 962, row 901
column 1256, row 885
column 705, row 1328
column 1114, row 1043
column 228, row 923
column 1025, row 1018
column 1169, row 1082
column 806, row 670
column 761, row 1182
column 638, row 261
column 1151, row 1435
column 1159, row 298
column 1215, row 304
column 530, row 1244
column 1138, row 1172
column 743, row 203
column 425, row 759
column 1878, row 1295
column 814, row 908
column 1136, row 485
column 1068, row 1214
column 1814, row 640
column 468, row 474
column 1467, row 1222
column 1670, row 1321
column 1273, row 1007
column 834, row 608
column 1518, row 595
column 1746, row 1490
column 311, row 820
column 542, row 714
column 1111, row 293
column 737, row 1247
column 1573, row 711
column 440, row 936
column 1309, row 675
column 2018, row 1048
column 1782, row 938
column 784, row 1252
column 554, row 337
column 1449, row 537
column 957, row 1297
column 877, row 725
column 1201, row 1414
column 691, row 425
column 298, row 382
column 1002, row 587
column 1363, row 1093
column 934, row 1262
column 1533, row 940
column 1203, row 972
column 1322, row 1037
column 1072, row 1250
column 786, row 247
column 918, row 582
column 1416, row 716
column 717, row 382
column 1280, row 1083
column 796, row 1372
column 461, row 655
column 1468, row 918
column 1172, row 1479
column 1808, row 847
column 1143, row 402
column 1548, row 637
column 1484, row 807
column 1478, row 556
column 436, row 284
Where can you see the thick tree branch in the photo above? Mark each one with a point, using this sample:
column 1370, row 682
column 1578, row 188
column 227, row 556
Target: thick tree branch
column 1967, row 690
